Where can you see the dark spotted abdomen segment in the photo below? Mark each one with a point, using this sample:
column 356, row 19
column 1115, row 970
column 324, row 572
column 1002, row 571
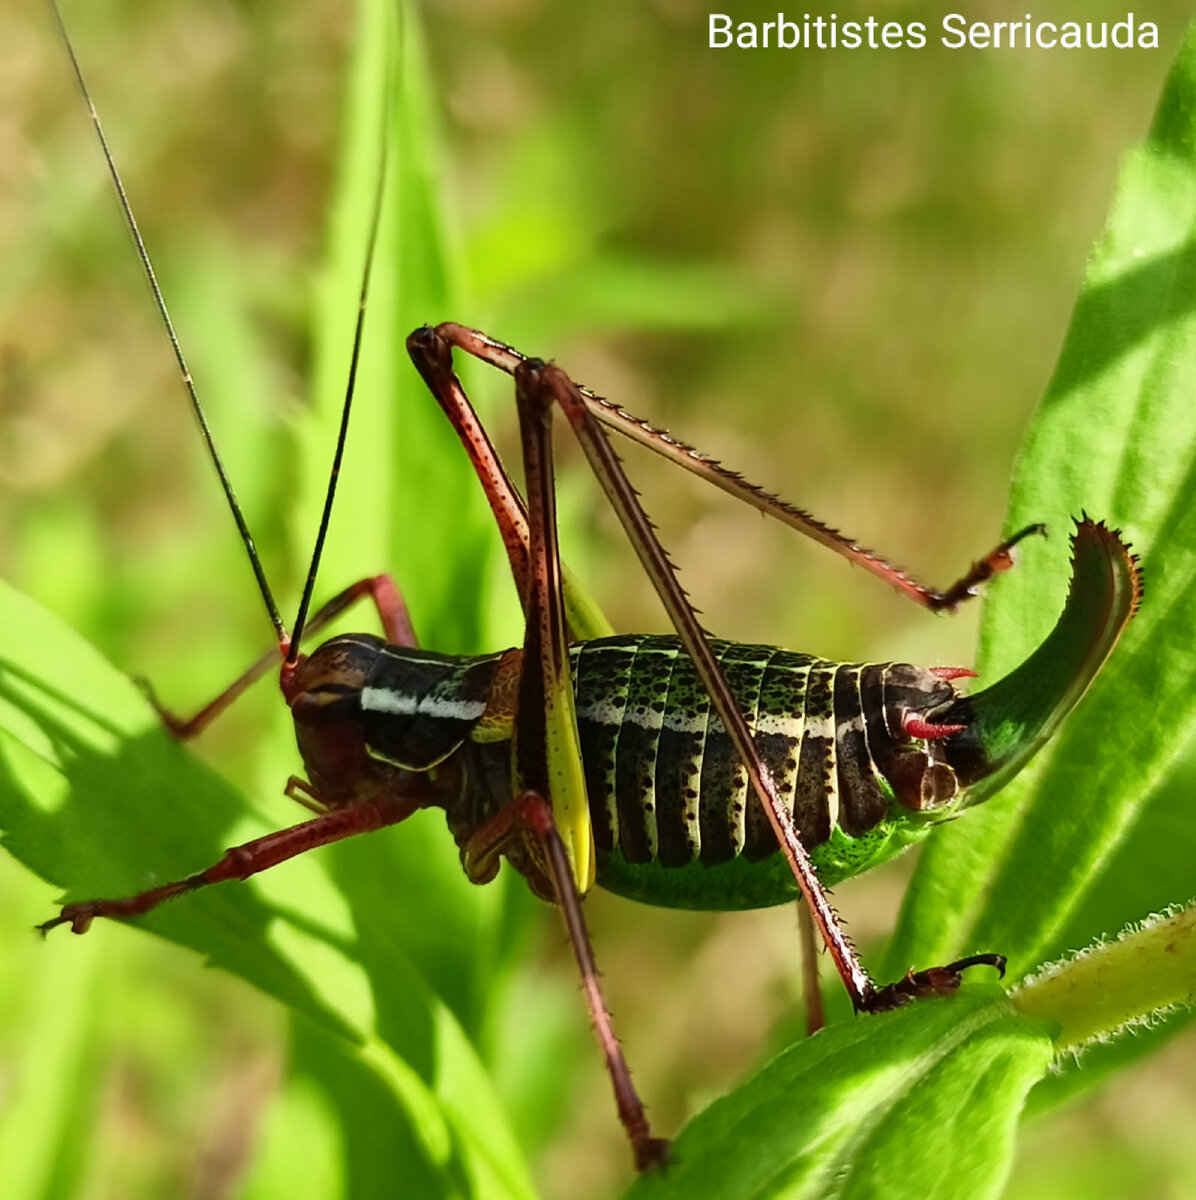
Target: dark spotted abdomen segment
column 664, row 781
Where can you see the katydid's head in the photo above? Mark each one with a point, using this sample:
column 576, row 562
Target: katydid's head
column 1003, row 726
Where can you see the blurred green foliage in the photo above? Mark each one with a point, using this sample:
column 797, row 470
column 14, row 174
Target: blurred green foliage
column 847, row 275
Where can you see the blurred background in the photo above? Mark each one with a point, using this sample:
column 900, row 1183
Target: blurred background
column 846, row 274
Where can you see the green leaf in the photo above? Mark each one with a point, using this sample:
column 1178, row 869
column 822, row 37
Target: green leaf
column 82, row 784
column 1114, row 436
column 1113, row 986
column 920, row 1102
column 1148, row 881
column 95, row 795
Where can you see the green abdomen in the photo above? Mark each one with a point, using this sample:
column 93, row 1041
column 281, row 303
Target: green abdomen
column 674, row 821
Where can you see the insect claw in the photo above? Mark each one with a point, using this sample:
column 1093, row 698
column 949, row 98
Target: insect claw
column 1001, row 559
column 78, row 916
column 934, row 981
column 172, row 722
column 652, row 1154
column 997, row 961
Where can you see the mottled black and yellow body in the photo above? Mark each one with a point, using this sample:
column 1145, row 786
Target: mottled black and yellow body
column 675, row 822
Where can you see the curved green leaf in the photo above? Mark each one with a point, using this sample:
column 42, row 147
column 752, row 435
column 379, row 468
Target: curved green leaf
column 1114, row 436
column 82, row 786
column 920, row 1102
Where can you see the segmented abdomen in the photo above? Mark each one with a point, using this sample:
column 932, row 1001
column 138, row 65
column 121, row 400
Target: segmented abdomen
column 664, row 781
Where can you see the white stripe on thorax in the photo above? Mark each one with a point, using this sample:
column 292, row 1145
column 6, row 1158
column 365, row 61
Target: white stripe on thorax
column 401, row 704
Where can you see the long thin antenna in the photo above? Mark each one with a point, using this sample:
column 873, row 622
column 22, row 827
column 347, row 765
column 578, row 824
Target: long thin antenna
column 354, row 362
column 185, row 371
